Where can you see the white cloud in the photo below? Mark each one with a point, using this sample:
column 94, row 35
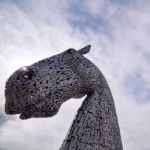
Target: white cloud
column 35, row 30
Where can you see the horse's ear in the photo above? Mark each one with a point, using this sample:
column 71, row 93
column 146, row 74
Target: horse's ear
column 84, row 50
column 71, row 50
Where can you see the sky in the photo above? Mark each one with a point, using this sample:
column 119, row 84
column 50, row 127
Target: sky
column 118, row 31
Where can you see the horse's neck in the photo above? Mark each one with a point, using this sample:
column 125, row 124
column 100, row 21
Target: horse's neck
column 96, row 125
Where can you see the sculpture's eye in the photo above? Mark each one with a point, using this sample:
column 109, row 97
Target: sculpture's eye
column 25, row 76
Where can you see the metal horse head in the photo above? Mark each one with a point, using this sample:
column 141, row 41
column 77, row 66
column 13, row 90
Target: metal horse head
column 39, row 90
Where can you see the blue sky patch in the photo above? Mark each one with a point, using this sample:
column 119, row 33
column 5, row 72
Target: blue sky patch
column 80, row 18
column 138, row 87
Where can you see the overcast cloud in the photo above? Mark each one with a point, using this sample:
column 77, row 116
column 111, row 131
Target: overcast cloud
column 119, row 32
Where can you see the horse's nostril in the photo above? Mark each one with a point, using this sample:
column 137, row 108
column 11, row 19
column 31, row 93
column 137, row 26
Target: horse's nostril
column 25, row 76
